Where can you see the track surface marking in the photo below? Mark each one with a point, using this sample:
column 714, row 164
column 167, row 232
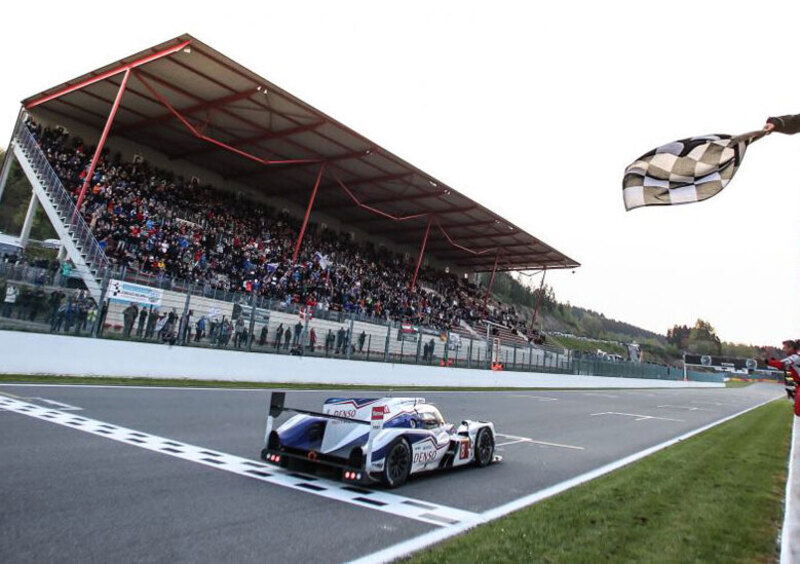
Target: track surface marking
column 410, row 508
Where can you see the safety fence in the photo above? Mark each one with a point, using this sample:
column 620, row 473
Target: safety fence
column 196, row 317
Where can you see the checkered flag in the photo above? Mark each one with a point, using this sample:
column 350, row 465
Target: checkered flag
column 685, row 171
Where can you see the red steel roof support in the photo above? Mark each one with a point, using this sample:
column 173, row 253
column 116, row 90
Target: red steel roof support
column 102, row 76
column 308, row 213
column 101, row 143
column 191, row 110
column 254, row 139
column 421, row 253
column 193, row 130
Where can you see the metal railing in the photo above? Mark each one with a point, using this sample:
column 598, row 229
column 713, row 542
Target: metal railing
column 62, row 201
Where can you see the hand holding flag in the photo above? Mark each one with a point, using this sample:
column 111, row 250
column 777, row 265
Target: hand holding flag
column 693, row 169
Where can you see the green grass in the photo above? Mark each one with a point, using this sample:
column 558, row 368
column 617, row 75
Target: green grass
column 732, row 384
column 716, row 497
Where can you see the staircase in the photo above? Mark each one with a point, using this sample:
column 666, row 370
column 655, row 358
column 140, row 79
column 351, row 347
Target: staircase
column 90, row 261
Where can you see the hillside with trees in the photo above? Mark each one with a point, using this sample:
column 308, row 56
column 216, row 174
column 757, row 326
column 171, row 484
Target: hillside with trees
column 590, row 330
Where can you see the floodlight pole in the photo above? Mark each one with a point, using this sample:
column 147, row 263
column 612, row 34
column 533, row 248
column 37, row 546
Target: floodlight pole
column 101, row 143
column 491, row 280
column 308, row 214
column 421, row 253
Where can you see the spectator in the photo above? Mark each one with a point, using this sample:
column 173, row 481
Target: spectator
column 152, row 322
column 54, row 301
column 287, row 339
column 142, row 321
column 58, row 319
column 278, row 336
column 361, row 338
column 312, row 339
column 37, row 303
column 340, row 340
column 262, row 339
column 155, row 223
column 238, row 340
column 10, row 300
column 129, row 315
column 200, row 329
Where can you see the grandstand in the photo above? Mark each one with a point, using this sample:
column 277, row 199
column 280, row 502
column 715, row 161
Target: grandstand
column 178, row 168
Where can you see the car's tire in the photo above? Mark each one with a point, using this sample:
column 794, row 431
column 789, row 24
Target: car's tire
column 484, row 447
column 397, row 465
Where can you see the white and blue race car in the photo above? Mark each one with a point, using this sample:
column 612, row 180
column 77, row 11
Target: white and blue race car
column 376, row 439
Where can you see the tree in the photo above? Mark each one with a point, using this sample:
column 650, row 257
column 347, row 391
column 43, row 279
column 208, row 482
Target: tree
column 14, row 206
column 703, row 339
column 678, row 336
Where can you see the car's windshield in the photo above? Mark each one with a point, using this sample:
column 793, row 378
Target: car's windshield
column 430, row 417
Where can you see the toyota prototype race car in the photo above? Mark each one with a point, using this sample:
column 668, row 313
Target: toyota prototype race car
column 375, row 440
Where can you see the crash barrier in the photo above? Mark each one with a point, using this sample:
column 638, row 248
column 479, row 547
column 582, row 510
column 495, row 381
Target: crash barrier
column 22, row 353
column 238, row 322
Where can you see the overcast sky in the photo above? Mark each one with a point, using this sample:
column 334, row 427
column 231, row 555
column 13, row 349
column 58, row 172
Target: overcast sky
column 533, row 112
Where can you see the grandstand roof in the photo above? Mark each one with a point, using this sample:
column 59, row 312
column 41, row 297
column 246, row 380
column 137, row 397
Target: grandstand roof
column 182, row 93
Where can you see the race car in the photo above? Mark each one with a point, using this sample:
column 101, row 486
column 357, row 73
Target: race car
column 371, row 440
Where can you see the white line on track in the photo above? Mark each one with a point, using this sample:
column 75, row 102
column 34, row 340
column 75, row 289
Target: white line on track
column 58, row 404
column 516, row 439
column 410, row 508
column 686, row 407
column 540, row 398
column 410, row 546
column 715, row 403
column 637, row 416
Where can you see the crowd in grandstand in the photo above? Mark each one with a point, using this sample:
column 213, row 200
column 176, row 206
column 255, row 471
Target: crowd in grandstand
column 153, row 222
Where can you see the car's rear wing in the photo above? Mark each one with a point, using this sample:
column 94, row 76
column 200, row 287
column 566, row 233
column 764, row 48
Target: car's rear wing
column 277, row 406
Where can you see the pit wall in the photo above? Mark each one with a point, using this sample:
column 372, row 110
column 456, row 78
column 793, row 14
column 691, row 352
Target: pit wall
column 35, row 353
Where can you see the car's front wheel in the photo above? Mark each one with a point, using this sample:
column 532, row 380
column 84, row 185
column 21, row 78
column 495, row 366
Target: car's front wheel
column 397, row 465
column 484, row 447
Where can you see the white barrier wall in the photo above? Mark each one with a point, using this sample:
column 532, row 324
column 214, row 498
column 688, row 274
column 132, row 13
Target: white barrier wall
column 35, row 353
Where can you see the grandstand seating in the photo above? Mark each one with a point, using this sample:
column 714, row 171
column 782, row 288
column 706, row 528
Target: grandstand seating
column 157, row 225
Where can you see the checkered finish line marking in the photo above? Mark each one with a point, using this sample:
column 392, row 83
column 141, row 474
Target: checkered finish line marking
column 418, row 510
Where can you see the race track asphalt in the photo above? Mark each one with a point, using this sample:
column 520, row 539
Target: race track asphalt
column 69, row 495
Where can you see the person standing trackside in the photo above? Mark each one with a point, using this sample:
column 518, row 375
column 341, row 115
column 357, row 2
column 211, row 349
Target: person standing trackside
column 142, row 320
column 790, row 362
column 298, row 330
column 129, row 315
column 312, row 339
column 10, row 300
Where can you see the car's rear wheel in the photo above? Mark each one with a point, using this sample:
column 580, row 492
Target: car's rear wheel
column 397, row 465
column 484, row 447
